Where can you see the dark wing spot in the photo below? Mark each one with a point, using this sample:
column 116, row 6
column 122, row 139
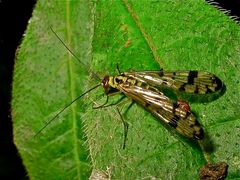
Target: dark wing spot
column 198, row 135
column 192, row 75
column 196, row 89
column 147, row 104
column 208, row 89
column 175, row 106
column 182, row 87
column 174, row 121
column 219, row 84
column 161, row 73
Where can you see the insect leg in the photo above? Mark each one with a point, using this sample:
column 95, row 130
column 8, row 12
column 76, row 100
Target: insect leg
column 101, row 106
column 125, row 128
column 125, row 123
column 118, row 69
column 120, row 102
column 129, row 107
column 112, row 104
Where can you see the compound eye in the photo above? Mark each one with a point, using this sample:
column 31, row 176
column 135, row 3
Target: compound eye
column 105, row 80
column 105, row 84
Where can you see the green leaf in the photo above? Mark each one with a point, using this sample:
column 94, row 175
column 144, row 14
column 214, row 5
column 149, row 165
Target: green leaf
column 46, row 78
column 139, row 35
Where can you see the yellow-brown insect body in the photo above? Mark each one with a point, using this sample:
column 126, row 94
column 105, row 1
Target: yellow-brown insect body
column 165, row 109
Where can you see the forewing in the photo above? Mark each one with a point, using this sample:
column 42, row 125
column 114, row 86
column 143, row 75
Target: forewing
column 194, row 82
column 164, row 109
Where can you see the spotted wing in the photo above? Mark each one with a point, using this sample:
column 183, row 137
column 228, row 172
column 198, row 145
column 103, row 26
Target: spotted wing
column 193, row 82
column 169, row 112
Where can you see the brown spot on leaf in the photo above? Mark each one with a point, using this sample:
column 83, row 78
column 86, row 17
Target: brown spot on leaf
column 214, row 171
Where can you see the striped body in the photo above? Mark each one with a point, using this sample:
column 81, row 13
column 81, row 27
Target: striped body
column 143, row 88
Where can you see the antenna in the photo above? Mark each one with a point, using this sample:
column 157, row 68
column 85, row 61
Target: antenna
column 74, row 55
column 63, row 109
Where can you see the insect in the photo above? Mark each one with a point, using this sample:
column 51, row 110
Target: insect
column 145, row 88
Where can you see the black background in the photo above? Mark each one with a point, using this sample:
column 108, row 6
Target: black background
column 14, row 16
